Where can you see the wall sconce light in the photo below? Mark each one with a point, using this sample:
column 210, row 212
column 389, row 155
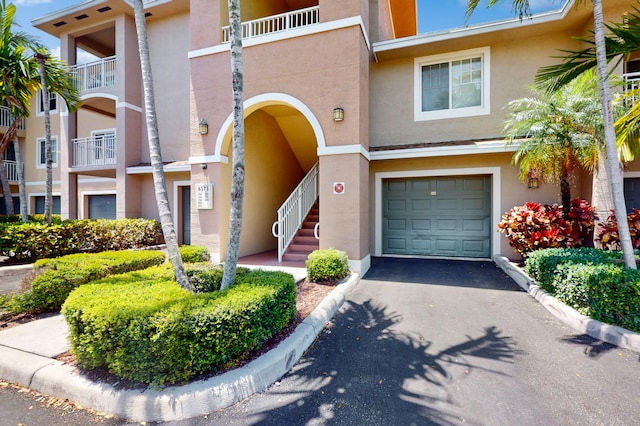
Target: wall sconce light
column 338, row 114
column 533, row 183
column 204, row 166
column 203, row 127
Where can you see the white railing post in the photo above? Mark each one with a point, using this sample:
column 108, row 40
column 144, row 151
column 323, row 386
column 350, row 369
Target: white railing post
column 276, row 23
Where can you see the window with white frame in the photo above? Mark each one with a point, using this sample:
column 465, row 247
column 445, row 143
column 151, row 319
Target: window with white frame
column 452, row 85
column 104, row 143
column 42, row 153
column 53, row 102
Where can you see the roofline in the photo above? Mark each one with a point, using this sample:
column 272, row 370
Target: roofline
column 460, row 32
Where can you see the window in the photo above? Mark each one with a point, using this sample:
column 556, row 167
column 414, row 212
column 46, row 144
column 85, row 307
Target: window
column 53, row 103
column 42, row 154
column 452, row 85
column 39, row 204
column 104, row 146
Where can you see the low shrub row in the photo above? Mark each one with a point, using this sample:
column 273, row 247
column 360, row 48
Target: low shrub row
column 590, row 282
column 143, row 327
column 55, row 278
column 33, row 240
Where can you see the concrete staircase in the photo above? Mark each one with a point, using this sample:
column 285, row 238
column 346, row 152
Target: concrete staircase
column 304, row 242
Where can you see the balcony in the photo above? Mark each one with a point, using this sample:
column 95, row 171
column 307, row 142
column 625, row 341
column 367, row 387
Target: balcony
column 95, row 75
column 6, row 118
column 94, row 151
column 276, row 23
column 11, row 168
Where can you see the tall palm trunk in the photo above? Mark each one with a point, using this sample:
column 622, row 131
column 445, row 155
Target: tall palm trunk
column 565, row 196
column 48, row 198
column 613, row 166
column 601, row 194
column 24, row 214
column 162, row 198
column 6, row 191
column 237, row 179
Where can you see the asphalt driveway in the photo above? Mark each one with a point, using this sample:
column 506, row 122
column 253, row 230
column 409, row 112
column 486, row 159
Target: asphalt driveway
column 443, row 342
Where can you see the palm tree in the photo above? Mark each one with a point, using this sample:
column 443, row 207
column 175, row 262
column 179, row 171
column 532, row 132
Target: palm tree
column 557, row 132
column 612, row 162
column 162, row 198
column 237, row 182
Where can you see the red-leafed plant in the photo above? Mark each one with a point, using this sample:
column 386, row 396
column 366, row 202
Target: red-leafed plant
column 608, row 231
column 534, row 226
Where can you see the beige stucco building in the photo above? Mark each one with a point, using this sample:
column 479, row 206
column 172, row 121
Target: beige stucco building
column 398, row 134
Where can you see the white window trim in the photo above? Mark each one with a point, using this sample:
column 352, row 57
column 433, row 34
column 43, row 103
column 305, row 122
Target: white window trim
column 484, row 109
column 38, row 152
column 39, row 112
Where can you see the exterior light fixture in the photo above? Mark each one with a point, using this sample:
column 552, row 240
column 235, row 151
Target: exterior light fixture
column 204, row 166
column 533, row 183
column 203, row 127
column 338, row 114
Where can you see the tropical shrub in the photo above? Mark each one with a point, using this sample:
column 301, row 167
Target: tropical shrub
column 194, row 254
column 608, row 231
column 56, row 278
column 534, row 226
column 205, row 277
column 145, row 328
column 327, row 265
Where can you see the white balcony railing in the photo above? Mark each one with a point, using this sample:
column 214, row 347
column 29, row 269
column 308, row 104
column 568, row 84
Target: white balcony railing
column 631, row 86
column 95, row 75
column 12, row 170
column 94, row 151
column 276, row 23
column 6, row 118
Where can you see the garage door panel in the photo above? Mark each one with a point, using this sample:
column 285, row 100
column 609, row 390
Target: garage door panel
column 438, row 216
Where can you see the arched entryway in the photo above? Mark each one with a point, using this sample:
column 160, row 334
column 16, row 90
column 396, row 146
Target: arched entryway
column 282, row 137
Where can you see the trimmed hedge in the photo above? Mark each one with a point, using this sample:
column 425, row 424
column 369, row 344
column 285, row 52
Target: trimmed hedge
column 605, row 292
column 58, row 277
column 194, row 254
column 327, row 264
column 207, row 278
column 145, row 328
column 32, row 240
column 541, row 264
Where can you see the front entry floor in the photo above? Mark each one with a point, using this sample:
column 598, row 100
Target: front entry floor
column 446, row 342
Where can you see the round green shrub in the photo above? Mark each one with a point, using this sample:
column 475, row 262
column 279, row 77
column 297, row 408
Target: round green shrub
column 327, row 264
column 206, row 277
column 152, row 331
column 194, row 254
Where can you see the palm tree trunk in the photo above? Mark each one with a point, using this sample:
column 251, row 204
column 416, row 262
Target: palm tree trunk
column 237, row 180
column 601, row 194
column 6, row 191
column 48, row 198
column 162, row 198
column 614, row 168
column 20, row 169
column 565, row 196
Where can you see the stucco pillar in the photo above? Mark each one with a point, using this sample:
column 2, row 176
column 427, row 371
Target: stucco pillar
column 68, row 131
column 344, row 207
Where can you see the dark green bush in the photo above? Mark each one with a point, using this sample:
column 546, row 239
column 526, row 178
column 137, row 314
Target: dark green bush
column 327, row 264
column 194, row 254
column 541, row 264
column 31, row 241
column 59, row 276
column 605, row 292
column 206, row 277
column 150, row 330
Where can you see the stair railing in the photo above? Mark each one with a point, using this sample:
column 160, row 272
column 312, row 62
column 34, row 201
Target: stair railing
column 294, row 210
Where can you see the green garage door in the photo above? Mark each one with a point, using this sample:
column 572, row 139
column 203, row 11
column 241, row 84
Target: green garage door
column 438, row 216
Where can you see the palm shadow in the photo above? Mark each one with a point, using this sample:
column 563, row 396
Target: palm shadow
column 362, row 371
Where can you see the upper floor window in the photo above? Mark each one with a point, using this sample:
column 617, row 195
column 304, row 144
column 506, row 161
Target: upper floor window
column 53, row 103
column 42, row 153
column 452, row 85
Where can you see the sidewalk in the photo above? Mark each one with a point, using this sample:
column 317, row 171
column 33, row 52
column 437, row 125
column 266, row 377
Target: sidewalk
column 28, row 351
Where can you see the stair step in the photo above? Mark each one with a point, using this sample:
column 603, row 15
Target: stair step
column 294, row 257
column 305, row 239
column 309, row 224
column 302, row 248
column 305, row 232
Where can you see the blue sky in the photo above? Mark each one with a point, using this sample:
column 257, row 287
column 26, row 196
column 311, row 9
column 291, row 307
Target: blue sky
column 433, row 15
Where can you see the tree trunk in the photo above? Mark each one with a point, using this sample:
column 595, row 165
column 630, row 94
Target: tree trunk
column 162, row 198
column 24, row 213
column 237, row 179
column 565, row 196
column 601, row 195
column 48, row 198
column 614, row 168
column 6, row 191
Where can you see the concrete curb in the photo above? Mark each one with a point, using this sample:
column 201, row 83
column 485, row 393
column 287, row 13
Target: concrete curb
column 11, row 270
column 598, row 330
column 174, row 403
